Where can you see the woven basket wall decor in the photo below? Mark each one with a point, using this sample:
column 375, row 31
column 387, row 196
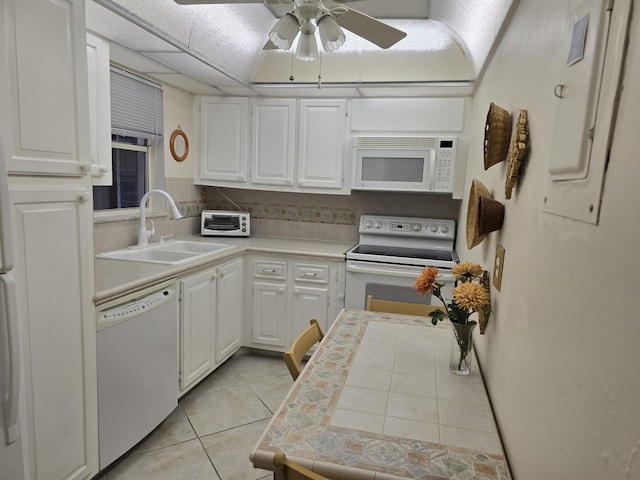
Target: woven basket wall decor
column 497, row 135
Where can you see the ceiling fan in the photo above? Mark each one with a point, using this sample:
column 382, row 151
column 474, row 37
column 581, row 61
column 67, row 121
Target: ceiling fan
column 309, row 15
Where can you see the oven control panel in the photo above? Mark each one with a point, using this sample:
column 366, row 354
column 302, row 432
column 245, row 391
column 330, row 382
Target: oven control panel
column 421, row 227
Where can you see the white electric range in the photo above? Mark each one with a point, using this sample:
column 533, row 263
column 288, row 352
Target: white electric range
column 391, row 253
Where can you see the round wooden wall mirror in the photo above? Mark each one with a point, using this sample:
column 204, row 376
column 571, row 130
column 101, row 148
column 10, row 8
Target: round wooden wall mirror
column 179, row 144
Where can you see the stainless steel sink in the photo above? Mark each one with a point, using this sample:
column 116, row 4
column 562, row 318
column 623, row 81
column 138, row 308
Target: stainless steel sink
column 175, row 252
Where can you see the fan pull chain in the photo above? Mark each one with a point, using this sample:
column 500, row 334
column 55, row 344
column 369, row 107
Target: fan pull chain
column 320, row 70
column 291, row 77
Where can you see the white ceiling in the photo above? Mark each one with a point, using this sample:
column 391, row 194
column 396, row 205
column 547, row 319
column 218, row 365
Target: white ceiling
column 214, row 49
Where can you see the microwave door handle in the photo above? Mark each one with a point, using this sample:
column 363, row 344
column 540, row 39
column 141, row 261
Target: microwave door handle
column 431, row 174
column 10, row 395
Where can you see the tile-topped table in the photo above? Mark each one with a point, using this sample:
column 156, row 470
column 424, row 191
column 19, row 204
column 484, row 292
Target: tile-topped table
column 376, row 401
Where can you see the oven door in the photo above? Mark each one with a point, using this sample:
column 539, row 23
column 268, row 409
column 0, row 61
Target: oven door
column 389, row 282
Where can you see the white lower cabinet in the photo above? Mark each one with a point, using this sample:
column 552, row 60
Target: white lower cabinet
column 210, row 320
column 229, row 311
column 287, row 291
column 197, row 327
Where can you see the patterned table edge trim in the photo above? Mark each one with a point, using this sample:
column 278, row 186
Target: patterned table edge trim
column 306, row 412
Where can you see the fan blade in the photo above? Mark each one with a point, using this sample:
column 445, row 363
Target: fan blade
column 369, row 28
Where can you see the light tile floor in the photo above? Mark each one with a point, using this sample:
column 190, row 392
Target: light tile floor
column 212, row 431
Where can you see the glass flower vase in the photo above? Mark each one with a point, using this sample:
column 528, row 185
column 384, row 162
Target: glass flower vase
column 461, row 348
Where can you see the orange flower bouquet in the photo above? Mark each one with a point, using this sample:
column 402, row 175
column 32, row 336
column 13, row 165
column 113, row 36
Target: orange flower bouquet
column 469, row 296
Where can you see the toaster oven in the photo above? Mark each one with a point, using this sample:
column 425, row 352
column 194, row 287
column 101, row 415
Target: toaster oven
column 223, row 223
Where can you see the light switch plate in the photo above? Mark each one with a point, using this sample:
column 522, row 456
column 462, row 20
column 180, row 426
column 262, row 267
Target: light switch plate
column 498, row 266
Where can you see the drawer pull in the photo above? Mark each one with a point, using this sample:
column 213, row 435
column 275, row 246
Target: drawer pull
column 268, row 270
column 310, row 274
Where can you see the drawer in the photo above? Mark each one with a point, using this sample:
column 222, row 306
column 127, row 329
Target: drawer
column 311, row 273
column 270, row 269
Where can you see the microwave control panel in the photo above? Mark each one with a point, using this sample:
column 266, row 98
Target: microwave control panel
column 445, row 164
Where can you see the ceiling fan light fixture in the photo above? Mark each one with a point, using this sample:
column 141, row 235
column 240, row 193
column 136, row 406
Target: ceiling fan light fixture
column 307, row 47
column 284, row 31
column 331, row 35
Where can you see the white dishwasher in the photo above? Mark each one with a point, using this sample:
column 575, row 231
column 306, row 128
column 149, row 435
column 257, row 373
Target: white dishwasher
column 137, row 357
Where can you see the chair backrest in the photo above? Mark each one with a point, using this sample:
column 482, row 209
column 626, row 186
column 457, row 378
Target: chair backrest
column 300, row 347
column 388, row 306
column 285, row 469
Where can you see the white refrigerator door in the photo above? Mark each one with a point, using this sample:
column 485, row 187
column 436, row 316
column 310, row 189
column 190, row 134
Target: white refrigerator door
column 6, row 254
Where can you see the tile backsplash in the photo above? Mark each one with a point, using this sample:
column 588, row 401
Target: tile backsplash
column 277, row 214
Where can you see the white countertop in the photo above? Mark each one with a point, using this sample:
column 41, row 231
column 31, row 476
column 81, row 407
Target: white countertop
column 114, row 278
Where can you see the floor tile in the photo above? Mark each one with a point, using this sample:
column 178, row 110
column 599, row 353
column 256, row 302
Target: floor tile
column 181, row 461
column 229, row 451
column 174, row 429
column 273, row 391
column 214, row 411
column 252, row 368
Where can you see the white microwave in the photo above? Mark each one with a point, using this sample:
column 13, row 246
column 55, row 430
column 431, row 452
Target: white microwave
column 407, row 164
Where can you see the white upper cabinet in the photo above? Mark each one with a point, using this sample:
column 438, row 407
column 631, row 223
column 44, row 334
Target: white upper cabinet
column 294, row 145
column 273, row 140
column 224, row 128
column 321, row 144
column 99, row 109
column 44, row 73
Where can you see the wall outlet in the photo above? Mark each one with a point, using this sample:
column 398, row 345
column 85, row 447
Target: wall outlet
column 498, row 266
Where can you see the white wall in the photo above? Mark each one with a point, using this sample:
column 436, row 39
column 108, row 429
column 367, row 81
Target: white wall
column 178, row 111
column 561, row 352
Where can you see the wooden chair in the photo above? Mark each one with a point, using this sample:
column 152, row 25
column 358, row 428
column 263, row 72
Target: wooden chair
column 388, row 306
column 300, row 347
column 285, row 469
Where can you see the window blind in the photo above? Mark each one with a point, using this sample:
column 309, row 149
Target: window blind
column 136, row 106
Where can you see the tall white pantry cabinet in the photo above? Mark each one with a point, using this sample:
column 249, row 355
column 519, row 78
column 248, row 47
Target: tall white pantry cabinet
column 44, row 124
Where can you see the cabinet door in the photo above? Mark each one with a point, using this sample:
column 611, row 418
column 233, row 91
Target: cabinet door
column 321, row 144
column 99, row 110
column 224, row 123
column 43, row 86
column 308, row 303
column 54, row 279
column 197, row 324
column 269, row 313
column 273, row 141
column 229, row 310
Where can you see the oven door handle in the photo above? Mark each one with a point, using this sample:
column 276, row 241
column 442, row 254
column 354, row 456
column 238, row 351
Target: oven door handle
column 409, row 272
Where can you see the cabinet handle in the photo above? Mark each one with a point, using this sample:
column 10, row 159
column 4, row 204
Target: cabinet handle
column 268, row 270
column 310, row 274
column 85, row 197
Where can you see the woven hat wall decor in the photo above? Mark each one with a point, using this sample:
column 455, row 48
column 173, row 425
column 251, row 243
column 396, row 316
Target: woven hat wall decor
column 497, row 134
column 484, row 214
column 517, row 149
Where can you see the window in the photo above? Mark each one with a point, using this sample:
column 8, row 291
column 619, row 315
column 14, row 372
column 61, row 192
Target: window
column 130, row 178
column 136, row 141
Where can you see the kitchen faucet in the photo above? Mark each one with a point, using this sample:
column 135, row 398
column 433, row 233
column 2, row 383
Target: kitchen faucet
column 144, row 235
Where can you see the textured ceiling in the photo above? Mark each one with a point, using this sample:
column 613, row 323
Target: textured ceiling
column 218, row 48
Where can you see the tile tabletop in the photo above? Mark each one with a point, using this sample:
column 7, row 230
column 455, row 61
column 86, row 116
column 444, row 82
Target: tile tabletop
column 377, row 401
